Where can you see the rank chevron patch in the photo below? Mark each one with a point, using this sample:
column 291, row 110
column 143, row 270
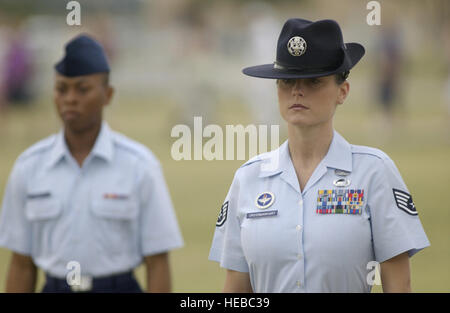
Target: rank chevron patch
column 404, row 201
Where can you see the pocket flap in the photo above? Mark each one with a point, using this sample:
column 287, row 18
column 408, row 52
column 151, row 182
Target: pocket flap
column 42, row 208
column 123, row 209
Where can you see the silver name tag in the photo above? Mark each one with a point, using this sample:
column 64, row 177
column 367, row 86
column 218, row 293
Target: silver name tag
column 262, row 214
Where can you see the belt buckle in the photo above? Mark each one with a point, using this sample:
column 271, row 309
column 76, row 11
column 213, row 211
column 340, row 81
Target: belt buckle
column 85, row 284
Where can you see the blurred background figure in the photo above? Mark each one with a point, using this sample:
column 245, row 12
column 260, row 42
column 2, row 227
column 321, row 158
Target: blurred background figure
column 390, row 64
column 103, row 27
column 196, row 93
column 262, row 34
column 446, row 46
column 17, row 74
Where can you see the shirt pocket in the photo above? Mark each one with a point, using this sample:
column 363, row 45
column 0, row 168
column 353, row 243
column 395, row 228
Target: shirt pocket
column 116, row 223
column 265, row 237
column 44, row 212
column 42, row 208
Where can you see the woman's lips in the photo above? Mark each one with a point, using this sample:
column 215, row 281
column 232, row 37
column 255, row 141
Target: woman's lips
column 70, row 115
column 298, row 106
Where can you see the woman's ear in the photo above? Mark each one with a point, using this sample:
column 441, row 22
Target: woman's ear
column 109, row 94
column 344, row 89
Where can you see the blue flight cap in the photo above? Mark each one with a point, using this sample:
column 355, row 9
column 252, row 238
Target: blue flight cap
column 84, row 56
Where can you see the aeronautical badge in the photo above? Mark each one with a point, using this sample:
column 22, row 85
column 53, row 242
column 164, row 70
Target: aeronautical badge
column 265, row 200
column 404, row 202
column 296, row 46
column 222, row 215
column 341, row 182
column 341, row 172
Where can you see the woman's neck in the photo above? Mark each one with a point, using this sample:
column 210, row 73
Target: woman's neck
column 309, row 145
column 80, row 144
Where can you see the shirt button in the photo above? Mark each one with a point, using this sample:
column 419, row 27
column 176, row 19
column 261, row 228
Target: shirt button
column 299, row 256
column 300, row 203
column 299, row 284
column 298, row 227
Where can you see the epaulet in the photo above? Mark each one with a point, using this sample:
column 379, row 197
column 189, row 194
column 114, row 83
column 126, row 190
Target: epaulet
column 369, row 151
column 38, row 147
column 134, row 147
column 257, row 158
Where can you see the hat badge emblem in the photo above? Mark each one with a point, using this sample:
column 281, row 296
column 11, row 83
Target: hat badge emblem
column 296, row 46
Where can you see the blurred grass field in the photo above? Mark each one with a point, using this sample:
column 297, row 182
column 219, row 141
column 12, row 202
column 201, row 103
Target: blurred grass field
column 418, row 142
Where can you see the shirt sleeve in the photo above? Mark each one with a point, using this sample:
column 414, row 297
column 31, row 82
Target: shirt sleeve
column 226, row 247
column 159, row 230
column 15, row 229
column 396, row 227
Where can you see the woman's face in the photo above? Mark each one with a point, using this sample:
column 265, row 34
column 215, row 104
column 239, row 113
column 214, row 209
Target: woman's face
column 80, row 100
column 310, row 102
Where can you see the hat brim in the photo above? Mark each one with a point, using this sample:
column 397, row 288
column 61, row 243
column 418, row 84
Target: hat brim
column 355, row 52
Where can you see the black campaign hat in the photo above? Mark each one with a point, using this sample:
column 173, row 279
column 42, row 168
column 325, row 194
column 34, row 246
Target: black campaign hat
column 308, row 49
column 83, row 56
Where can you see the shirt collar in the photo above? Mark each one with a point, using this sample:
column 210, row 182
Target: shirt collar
column 103, row 147
column 339, row 156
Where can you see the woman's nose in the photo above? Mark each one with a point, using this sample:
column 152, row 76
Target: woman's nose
column 297, row 88
column 70, row 97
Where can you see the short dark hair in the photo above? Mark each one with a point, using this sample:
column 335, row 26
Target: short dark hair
column 341, row 77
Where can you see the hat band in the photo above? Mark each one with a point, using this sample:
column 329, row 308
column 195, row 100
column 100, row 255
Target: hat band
column 278, row 66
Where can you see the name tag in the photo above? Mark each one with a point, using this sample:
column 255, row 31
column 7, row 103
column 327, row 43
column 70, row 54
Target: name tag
column 262, row 214
column 39, row 195
column 340, row 201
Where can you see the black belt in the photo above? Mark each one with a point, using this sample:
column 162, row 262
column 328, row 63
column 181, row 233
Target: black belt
column 90, row 284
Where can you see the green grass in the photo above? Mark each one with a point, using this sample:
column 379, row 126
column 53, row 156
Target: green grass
column 418, row 142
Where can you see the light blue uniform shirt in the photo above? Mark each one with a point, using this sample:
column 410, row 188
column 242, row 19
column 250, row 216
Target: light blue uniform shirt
column 301, row 242
column 106, row 215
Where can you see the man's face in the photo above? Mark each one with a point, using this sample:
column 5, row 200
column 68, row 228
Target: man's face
column 310, row 101
column 80, row 100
